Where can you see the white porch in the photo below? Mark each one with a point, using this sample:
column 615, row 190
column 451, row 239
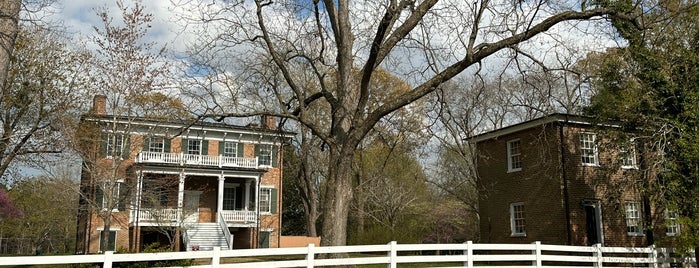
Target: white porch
column 236, row 203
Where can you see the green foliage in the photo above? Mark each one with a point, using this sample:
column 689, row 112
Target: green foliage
column 44, row 224
column 155, row 248
column 652, row 87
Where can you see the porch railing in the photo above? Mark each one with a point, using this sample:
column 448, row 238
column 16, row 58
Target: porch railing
column 239, row 216
column 193, row 159
column 226, row 232
column 158, row 215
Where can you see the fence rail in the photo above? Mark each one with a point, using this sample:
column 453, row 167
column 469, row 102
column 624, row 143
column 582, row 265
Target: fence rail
column 392, row 254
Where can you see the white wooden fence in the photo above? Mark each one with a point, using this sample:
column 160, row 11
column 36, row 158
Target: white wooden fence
column 393, row 254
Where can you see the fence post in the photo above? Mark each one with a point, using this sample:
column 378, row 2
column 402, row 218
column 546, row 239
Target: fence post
column 392, row 255
column 653, row 255
column 310, row 256
column 537, row 254
column 216, row 257
column 108, row 259
column 469, row 254
column 598, row 255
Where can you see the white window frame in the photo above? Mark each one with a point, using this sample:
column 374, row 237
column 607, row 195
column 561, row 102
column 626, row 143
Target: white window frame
column 634, row 223
column 117, row 189
column 156, row 144
column 517, row 220
column 672, row 224
column 265, row 155
column 589, row 154
column 266, row 200
column 118, row 146
column 628, row 156
column 190, row 145
column 230, row 149
column 514, row 155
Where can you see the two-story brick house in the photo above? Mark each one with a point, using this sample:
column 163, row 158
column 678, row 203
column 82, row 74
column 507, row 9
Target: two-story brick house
column 561, row 179
column 193, row 185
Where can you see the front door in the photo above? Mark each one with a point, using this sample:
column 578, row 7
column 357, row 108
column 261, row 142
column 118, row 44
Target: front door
column 191, row 206
column 593, row 222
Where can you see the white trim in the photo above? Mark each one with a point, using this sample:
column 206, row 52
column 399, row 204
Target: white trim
column 595, row 149
column 101, row 228
column 269, row 211
column 513, row 232
column 510, row 155
column 637, row 217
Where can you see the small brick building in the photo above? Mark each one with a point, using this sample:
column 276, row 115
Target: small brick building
column 560, row 179
column 198, row 184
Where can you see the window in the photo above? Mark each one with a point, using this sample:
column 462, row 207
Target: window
column 628, row 156
column 517, row 219
column 229, row 197
column 266, row 200
column 588, row 149
column 194, row 147
column 514, row 161
column 111, row 242
column 156, row 145
column 672, row 224
column 115, row 144
column 230, row 149
column 264, row 239
column 118, row 196
column 264, row 154
column 633, row 218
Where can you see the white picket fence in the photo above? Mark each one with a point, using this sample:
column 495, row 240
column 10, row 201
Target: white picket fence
column 393, row 254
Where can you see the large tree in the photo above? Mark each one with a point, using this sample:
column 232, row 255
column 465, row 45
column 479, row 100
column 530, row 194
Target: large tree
column 41, row 96
column 268, row 44
column 651, row 87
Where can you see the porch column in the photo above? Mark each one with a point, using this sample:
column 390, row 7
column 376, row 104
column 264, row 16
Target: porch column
column 257, row 198
column 180, row 197
column 247, row 196
column 219, row 199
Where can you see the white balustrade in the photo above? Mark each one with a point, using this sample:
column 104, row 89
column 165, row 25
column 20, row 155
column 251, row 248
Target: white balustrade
column 193, row 159
column 239, row 216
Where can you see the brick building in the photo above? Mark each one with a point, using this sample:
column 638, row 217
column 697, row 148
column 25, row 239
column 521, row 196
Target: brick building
column 190, row 185
column 561, row 179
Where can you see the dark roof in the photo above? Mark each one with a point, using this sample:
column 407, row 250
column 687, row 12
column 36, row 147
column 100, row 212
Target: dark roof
column 555, row 117
column 184, row 124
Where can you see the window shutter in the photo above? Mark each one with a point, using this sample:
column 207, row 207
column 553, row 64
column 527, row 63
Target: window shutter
column 273, row 201
column 184, row 146
column 204, row 147
column 275, row 152
column 103, row 144
column 166, row 145
column 126, row 146
column 264, row 240
column 257, row 150
column 240, row 150
column 99, row 197
column 146, row 144
column 122, row 196
column 221, row 147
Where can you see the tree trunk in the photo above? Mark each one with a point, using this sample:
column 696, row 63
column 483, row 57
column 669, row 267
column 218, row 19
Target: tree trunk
column 336, row 199
column 9, row 28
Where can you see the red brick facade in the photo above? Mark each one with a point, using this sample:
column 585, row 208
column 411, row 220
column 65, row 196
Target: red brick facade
column 194, row 175
column 564, row 200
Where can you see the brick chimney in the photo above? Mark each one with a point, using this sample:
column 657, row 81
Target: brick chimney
column 268, row 122
column 99, row 105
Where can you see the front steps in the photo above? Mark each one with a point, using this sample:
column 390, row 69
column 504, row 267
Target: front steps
column 205, row 236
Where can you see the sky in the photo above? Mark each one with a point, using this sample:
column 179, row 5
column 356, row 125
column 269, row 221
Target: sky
column 80, row 16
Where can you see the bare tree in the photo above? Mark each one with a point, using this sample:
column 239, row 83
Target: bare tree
column 128, row 74
column 41, row 96
column 423, row 42
column 9, row 28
